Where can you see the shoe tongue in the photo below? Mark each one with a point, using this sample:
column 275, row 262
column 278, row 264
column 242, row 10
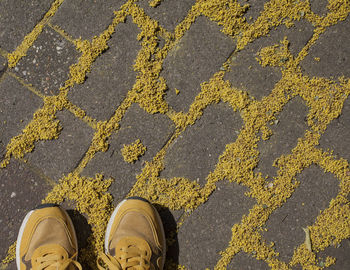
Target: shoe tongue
column 42, row 251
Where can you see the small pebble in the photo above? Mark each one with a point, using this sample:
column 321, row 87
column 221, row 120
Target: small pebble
column 13, row 194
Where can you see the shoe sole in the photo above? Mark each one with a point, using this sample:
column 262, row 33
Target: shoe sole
column 110, row 224
column 24, row 223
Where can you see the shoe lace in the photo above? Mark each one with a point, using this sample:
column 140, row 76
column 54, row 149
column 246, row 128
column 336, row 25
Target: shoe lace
column 128, row 258
column 58, row 261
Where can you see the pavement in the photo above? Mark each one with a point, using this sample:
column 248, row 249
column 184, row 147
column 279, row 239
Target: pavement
column 231, row 117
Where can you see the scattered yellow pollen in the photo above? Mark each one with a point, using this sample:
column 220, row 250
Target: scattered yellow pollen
column 324, row 98
column 21, row 50
column 133, row 151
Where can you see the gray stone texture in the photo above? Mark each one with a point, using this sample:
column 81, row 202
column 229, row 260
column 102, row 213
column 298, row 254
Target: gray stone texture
column 340, row 253
column 3, row 66
column 291, row 125
column 195, row 59
column 319, row 7
column 196, row 152
column 337, row 134
column 17, row 107
column 254, row 10
column 197, row 56
column 169, row 13
column 111, row 76
column 248, row 261
column 334, row 53
column 152, row 130
column 285, row 225
column 86, row 19
column 18, row 18
column 21, row 191
column 61, row 156
column 207, row 231
column 47, row 63
column 245, row 71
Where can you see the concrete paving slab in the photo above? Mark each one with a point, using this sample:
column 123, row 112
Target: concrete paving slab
column 332, row 50
column 341, row 254
column 61, row 156
column 208, row 230
column 319, row 7
column 195, row 153
column 248, row 262
column 337, row 134
column 21, row 191
column 18, row 18
column 152, row 130
column 47, row 63
column 245, row 71
column 86, row 19
column 198, row 55
column 255, row 8
column 17, row 107
column 290, row 125
column 285, row 225
column 112, row 74
column 168, row 13
column 3, row 66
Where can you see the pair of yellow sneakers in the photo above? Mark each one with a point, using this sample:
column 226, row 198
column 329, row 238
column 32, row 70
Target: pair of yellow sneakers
column 134, row 239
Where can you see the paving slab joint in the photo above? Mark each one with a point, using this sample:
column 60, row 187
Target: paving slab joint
column 39, row 172
column 3, row 70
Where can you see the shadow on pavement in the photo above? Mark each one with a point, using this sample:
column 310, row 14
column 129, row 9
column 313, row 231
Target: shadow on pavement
column 169, row 223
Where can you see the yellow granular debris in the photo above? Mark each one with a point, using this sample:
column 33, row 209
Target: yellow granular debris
column 44, row 126
column 60, row 31
column 276, row 55
column 154, row 3
column 11, row 255
column 329, row 261
column 323, row 97
column 21, row 50
column 91, row 199
column 133, row 151
column 228, row 14
column 305, row 258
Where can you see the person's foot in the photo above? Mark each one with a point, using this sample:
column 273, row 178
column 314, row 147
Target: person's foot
column 47, row 240
column 134, row 238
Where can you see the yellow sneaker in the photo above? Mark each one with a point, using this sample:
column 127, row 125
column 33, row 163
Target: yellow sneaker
column 134, row 238
column 47, row 240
